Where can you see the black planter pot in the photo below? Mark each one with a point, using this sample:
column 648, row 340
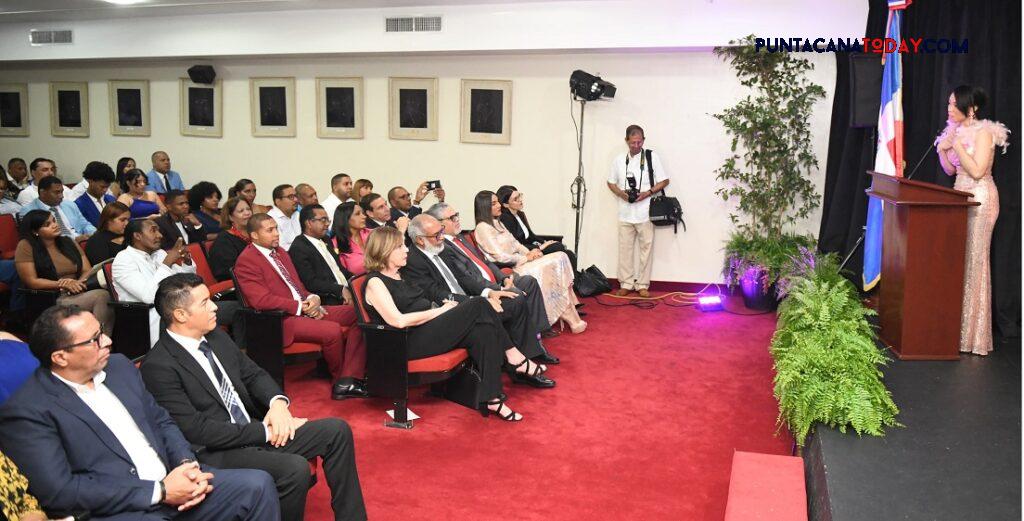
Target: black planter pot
column 756, row 295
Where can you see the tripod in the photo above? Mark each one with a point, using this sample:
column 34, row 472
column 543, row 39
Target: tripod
column 578, row 189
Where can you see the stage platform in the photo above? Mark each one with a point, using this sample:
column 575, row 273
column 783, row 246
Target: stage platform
column 957, row 456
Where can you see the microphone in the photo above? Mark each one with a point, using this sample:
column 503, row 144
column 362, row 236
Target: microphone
column 919, row 161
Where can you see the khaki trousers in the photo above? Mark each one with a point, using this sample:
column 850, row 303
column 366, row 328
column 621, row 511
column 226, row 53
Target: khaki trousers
column 95, row 301
column 631, row 275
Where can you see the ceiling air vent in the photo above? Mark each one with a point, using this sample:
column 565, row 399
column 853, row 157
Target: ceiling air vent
column 60, row 36
column 408, row 24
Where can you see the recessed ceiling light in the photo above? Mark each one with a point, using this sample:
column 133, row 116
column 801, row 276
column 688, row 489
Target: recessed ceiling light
column 124, row 2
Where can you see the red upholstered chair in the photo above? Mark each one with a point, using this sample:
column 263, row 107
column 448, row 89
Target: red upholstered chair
column 217, row 289
column 389, row 372
column 264, row 337
column 131, row 321
column 505, row 268
column 8, row 236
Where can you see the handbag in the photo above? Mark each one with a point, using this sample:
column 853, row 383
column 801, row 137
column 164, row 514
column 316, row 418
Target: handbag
column 665, row 210
column 591, row 281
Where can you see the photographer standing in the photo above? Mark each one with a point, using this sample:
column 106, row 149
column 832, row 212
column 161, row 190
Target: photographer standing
column 630, row 181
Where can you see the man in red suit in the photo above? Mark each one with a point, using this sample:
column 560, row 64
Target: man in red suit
column 268, row 278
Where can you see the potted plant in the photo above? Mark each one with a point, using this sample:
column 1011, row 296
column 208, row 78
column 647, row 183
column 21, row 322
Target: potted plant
column 767, row 174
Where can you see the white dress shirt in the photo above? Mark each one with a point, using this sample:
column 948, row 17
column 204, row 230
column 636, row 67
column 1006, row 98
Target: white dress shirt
column 109, row 409
column 339, row 277
column 295, row 293
column 639, row 212
column 289, row 227
column 136, row 277
column 331, row 205
column 31, row 193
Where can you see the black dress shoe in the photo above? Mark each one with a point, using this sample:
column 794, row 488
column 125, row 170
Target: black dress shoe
column 539, row 381
column 546, row 359
column 344, row 389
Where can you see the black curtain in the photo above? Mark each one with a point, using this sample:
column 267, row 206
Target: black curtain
column 993, row 31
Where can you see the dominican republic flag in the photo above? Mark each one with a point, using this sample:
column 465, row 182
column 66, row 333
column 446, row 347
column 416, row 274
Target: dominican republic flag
column 889, row 157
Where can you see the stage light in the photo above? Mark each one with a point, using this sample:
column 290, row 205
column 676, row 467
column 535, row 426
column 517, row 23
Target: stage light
column 709, row 303
column 589, row 87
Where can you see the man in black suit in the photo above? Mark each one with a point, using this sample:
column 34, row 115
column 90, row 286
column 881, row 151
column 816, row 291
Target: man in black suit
column 226, row 403
column 317, row 261
column 91, row 439
column 440, row 279
column 178, row 222
column 379, row 214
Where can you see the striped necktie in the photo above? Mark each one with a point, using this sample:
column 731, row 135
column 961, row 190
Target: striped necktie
column 286, row 275
column 64, row 230
column 224, row 388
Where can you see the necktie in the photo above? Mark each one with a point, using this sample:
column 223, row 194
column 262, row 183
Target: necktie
column 285, row 275
column 479, row 263
column 64, row 230
column 448, row 276
column 227, row 393
column 167, row 182
column 339, row 277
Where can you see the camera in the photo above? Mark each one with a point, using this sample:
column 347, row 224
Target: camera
column 632, row 193
column 433, row 185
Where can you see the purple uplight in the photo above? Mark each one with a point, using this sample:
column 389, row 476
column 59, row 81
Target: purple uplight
column 709, row 302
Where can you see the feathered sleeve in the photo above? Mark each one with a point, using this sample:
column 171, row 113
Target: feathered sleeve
column 1000, row 134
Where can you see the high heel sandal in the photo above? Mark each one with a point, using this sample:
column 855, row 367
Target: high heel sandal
column 534, row 377
column 577, row 329
column 486, row 411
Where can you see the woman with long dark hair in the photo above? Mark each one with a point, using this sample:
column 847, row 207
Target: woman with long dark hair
column 966, row 149
column 141, row 202
column 246, row 189
column 47, row 260
column 123, row 166
column 361, row 188
column 514, row 219
column 108, row 240
column 350, row 236
column 553, row 271
column 232, row 238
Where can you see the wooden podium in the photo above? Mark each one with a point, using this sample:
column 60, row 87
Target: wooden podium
column 924, row 241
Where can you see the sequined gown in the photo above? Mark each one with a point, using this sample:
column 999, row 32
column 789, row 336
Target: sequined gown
column 976, row 323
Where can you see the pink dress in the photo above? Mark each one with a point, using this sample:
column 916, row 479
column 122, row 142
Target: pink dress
column 976, row 324
column 553, row 271
column 353, row 261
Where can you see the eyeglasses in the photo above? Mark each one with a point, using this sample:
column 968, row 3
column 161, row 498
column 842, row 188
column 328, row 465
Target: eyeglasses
column 453, row 218
column 323, row 219
column 439, row 236
column 95, row 340
column 291, row 196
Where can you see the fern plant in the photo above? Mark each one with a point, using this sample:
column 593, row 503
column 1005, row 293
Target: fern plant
column 827, row 365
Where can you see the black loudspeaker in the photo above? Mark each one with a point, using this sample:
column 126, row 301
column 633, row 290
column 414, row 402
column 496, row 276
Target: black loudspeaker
column 202, row 74
column 865, row 89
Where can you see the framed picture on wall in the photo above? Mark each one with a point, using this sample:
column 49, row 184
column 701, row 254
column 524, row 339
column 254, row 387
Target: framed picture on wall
column 486, row 112
column 412, row 108
column 129, row 107
column 272, row 101
column 200, row 108
column 13, row 109
column 69, row 109
column 339, row 108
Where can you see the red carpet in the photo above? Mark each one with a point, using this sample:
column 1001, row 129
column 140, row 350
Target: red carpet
column 649, row 408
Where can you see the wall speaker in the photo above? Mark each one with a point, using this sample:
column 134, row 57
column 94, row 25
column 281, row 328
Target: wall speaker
column 865, row 89
column 202, row 74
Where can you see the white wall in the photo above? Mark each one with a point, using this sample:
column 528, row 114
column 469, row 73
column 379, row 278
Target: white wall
column 670, row 94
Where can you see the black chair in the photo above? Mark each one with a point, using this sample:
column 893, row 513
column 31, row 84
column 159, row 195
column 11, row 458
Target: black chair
column 130, row 336
column 390, row 373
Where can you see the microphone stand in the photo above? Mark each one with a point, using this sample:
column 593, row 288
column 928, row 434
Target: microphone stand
column 863, row 229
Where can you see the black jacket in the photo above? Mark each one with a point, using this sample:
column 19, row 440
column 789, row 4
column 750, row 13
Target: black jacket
column 422, row 273
column 181, row 386
column 316, row 275
column 223, row 253
column 413, row 212
column 453, row 256
column 530, row 240
column 171, row 232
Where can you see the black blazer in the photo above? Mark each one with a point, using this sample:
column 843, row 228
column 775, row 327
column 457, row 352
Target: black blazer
column 316, row 275
column 454, row 256
column 422, row 273
column 223, row 253
column 180, row 385
column 413, row 212
column 71, row 457
column 530, row 240
column 171, row 232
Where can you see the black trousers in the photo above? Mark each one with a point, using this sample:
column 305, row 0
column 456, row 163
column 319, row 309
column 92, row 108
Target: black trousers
column 328, row 438
column 473, row 325
column 534, row 302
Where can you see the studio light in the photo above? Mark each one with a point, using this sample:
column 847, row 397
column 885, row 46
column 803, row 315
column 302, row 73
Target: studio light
column 709, row 303
column 589, row 87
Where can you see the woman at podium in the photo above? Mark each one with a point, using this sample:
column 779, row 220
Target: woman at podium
column 966, row 149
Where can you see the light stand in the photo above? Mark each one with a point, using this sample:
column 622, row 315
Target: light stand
column 578, row 189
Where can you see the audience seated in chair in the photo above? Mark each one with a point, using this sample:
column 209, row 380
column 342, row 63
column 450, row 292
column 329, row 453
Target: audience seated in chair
column 552, row 271
column 161, row 179
column 317, row 261
column 232, row 239
column 68, row 217
column 285, row 212
column 8, row 195
column 361, row 188
column 40, row 168
column 49, row 261
column 195, row 369
column 95, row 195
column 204, row 201
column 472, row 324
column 341, row 192
column 18, row 365
column 108, row 240
column 18, row 172
column 178, row 222
column 379, row 214
column 350, row 234
column 432, row 267
column 124, row 165
column 267, row 277
column 514, row 219
column 134, row 195
column 92, row 441
column 246, row 189
column 306, row 195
